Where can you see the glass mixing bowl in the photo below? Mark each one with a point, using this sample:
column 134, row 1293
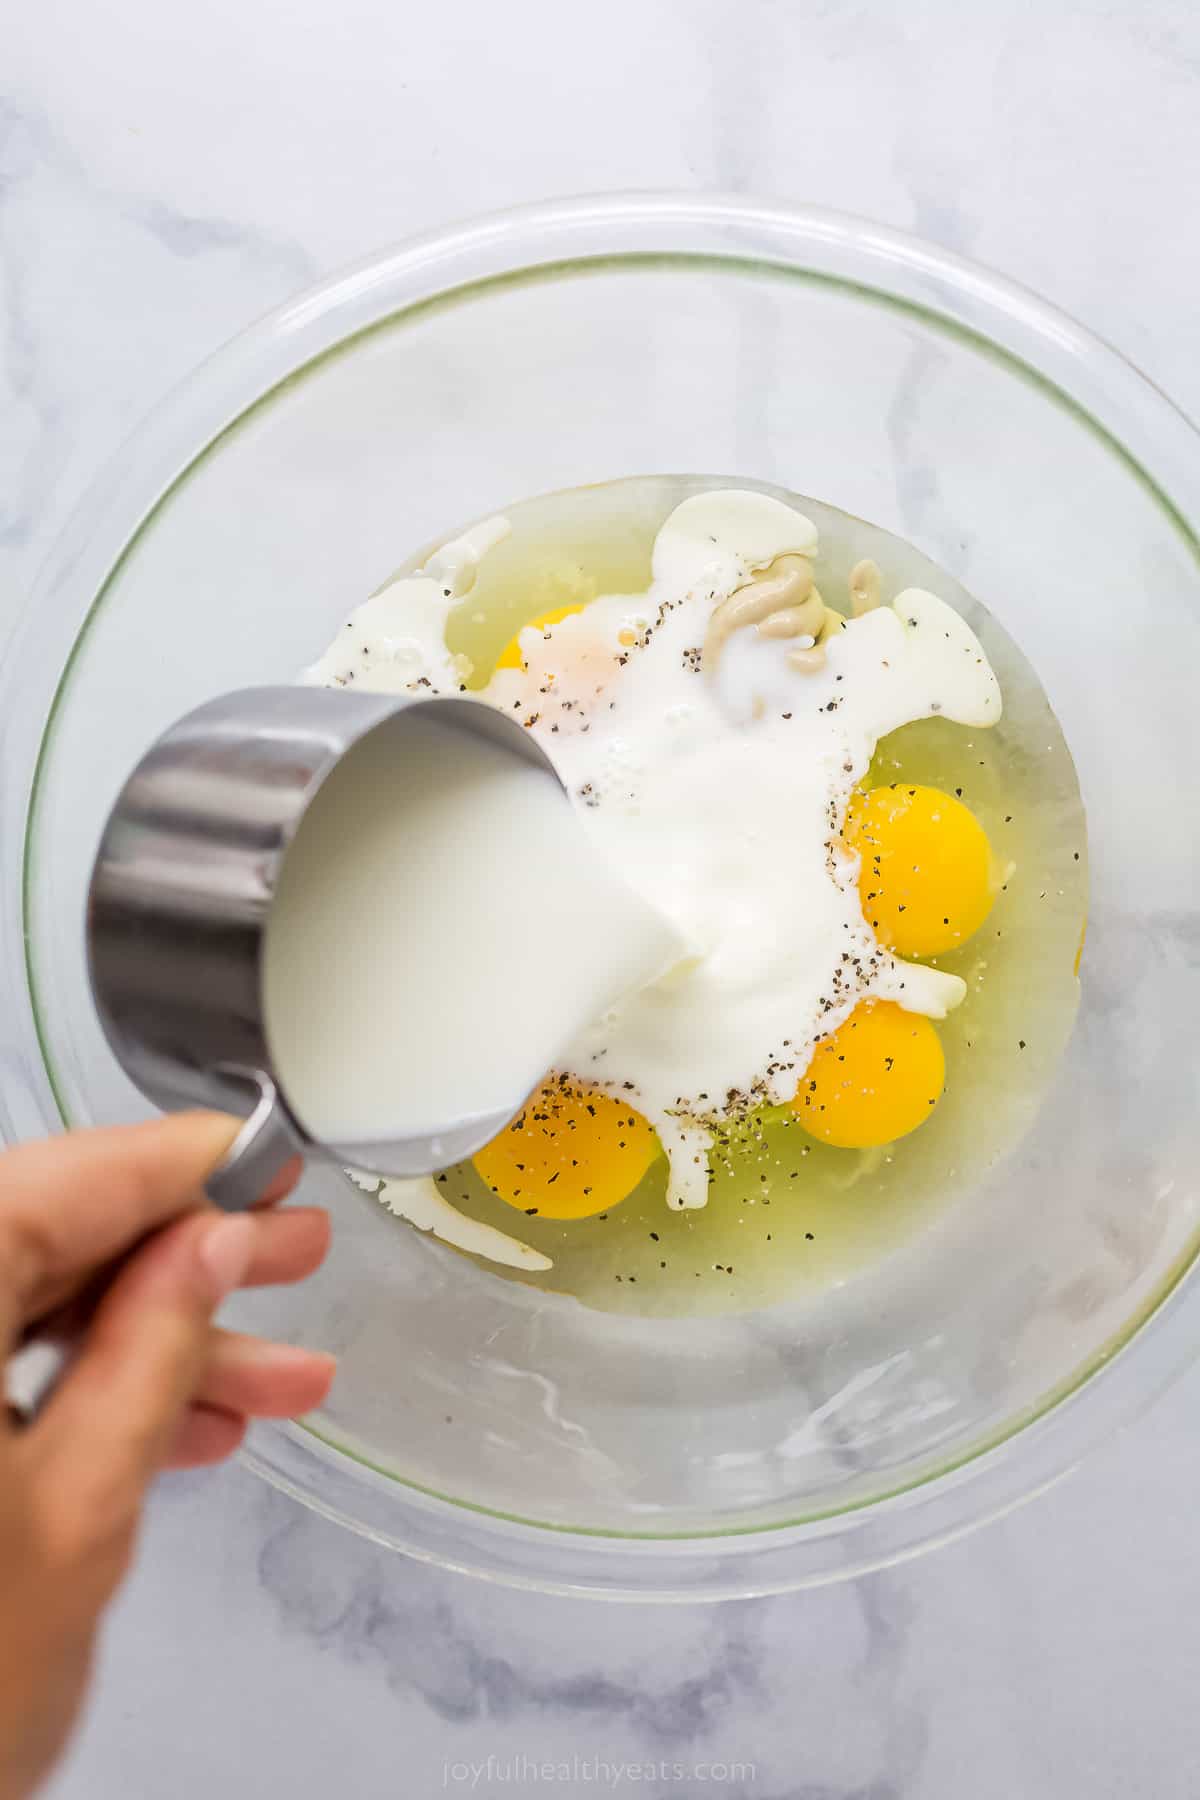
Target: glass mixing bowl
column 511, row 1432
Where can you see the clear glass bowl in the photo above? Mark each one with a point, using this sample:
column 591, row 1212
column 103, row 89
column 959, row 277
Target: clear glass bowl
column 474, row 1421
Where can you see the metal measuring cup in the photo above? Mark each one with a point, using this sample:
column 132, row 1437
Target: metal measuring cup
column 179, row 902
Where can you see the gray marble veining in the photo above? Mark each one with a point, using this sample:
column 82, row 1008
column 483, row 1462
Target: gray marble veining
column 164, row 177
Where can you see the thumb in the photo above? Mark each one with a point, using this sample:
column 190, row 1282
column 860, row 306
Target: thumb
column 111, row 1422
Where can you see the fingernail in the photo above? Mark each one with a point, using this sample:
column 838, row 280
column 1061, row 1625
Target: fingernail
column 225, row 1251
column 267, row 1354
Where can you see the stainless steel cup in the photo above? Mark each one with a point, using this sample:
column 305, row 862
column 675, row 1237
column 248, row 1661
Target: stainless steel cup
column 179, row 902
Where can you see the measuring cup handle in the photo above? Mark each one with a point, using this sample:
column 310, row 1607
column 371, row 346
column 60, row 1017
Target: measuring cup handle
column 265, row 1143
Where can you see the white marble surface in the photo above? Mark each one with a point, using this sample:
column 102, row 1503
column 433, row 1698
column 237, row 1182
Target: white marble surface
column 166, row 173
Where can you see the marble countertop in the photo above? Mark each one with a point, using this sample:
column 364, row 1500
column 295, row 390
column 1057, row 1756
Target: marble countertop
column 165, row 175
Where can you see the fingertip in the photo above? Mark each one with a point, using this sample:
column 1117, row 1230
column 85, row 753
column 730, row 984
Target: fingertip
column 202, row 1139
column 318, row 1229
column 225, row 1251
column 311, row 1380
column 261, row 1378
column 324, row 1372
column 281, row 1185
column 291, row 1245
column 206, row 1435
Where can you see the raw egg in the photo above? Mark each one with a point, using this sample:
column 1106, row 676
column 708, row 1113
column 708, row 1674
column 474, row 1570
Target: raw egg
column 927, row 874
column 510, row 657
column 875, row 1079
column 571, row 1152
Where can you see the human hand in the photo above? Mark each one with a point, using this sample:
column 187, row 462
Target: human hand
column 115, row 1224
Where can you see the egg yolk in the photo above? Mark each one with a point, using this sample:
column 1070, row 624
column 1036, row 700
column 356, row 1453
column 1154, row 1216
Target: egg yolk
column 874, row 1080
column 926, row 881
column 510, row 657
column 573, row 1151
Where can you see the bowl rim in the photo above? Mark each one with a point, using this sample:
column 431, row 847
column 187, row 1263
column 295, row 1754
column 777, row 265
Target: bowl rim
column 1151, row 435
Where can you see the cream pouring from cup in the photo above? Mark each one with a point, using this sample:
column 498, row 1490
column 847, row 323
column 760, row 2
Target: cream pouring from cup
column 307, row 907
